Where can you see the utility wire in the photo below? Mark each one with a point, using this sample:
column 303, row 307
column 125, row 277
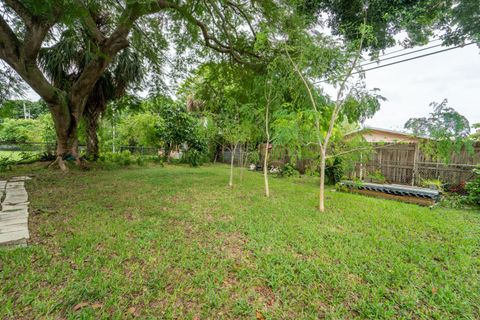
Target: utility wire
column 417, row 57
column 399, row 55
column 408, row 59
column 403, row 49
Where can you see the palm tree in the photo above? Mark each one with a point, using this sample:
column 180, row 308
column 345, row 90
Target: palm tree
column 64, row 62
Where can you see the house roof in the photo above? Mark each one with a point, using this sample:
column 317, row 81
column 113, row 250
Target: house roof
column 387, row 132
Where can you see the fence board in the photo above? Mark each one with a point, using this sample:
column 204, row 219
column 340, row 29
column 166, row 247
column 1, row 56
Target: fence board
column 400, row 164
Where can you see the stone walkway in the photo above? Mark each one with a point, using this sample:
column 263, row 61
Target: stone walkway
column 14, row 213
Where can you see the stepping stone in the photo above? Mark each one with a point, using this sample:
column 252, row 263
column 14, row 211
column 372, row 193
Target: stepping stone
column 13, row 227
column 14, row 236
column 9, row 208
column 21, row 178
column 14, row 214
column 6, row 218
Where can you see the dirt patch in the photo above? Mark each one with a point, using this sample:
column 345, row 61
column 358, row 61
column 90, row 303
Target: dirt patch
column 233, row 246
column 266, row 294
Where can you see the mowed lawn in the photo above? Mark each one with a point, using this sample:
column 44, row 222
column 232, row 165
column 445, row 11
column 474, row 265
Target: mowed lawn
column 176, row 243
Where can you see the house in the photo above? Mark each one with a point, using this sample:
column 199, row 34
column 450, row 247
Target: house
column 379, row 135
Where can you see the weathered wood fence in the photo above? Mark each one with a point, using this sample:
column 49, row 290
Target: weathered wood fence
column 407, row 164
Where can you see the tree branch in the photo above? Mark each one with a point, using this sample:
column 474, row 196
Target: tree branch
column 90, row 26
column 310, row 94
column 9, row 43
column 242, row 13
column 359, row 149
column 21, row 11
column 338, row 101
column 210, row 40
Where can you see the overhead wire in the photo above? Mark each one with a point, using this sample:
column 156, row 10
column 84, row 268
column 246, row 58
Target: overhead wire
column 405, row 60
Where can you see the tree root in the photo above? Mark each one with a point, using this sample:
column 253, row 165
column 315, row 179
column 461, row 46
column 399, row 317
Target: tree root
column 60, row 162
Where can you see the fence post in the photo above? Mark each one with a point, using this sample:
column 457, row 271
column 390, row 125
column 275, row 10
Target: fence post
column 415, row 164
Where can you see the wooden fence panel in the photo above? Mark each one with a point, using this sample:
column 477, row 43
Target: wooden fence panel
column 405, row 164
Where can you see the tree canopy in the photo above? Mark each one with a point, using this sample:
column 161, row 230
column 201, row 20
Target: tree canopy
column 447, row 130
column 75, row 53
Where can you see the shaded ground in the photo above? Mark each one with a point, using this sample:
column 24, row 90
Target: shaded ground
column 176, row 243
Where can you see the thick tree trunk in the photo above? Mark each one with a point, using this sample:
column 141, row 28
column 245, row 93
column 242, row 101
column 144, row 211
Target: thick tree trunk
column 66, row 127
column 96, row 105
column 92, row 138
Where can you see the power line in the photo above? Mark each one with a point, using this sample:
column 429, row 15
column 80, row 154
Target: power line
column 408, row 59
column 403, row 49
column 400, row 55
column 417, row 57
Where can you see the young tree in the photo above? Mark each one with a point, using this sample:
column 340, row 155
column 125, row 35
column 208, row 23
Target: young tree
column 314, row 57
column 268, row 101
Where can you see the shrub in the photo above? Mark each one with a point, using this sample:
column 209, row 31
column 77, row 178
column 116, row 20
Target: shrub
column 6, row 163
column 19, row 130
column 194, row 157
column 432, row 184
column 333, row 170
column 126, row 158
column 288, row 170
column 457, row 188
column 376, row 177
column 473, row 189
column 253, row 157
column 123, row 158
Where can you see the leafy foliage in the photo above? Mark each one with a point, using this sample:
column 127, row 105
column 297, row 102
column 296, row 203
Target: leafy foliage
column 20, row 109
column 446, row 129
column 473, row 189
column 142, row 129
column 334, row 170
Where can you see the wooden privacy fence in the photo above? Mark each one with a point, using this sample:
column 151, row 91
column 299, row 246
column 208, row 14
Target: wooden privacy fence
column 407, row 164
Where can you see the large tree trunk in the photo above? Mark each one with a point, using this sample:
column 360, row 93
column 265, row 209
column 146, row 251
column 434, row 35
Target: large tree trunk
column 92, row 112
column 66, row 127
column 92, row 138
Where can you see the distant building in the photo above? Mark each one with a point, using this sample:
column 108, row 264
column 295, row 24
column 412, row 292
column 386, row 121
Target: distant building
column 378, row 135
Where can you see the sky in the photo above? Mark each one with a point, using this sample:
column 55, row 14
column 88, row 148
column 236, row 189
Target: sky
column 412, row 85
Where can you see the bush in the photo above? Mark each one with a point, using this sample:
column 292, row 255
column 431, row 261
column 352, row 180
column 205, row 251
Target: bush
column 6, row 163
column 457, row 188
column 288, row 170
column 253, row 157
column 194, row 157
column 473, row 189
column 333, row 170
column 433, row 184
column 19, row 130
column 126, row 158
column 123, row 158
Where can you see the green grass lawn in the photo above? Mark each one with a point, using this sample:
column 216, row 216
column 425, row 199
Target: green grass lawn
column 177, row 243
column 14, row 155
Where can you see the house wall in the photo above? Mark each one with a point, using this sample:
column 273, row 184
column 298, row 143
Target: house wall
column 374, row 136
